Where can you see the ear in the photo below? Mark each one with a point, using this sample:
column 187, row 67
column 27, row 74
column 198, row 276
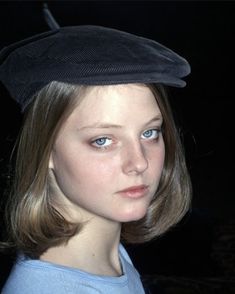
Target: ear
column 51, row 162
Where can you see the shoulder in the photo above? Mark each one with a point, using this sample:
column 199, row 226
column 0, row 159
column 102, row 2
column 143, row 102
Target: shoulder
column 132, row 275
column 33, row 276
column 124, row 254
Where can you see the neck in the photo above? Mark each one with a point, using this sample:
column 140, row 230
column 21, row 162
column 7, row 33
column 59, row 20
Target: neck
column 95, row 249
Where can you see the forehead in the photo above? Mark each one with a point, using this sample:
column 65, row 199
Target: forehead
column 120, row 104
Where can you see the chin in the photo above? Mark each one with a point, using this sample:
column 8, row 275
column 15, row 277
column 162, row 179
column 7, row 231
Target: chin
column 133, row 215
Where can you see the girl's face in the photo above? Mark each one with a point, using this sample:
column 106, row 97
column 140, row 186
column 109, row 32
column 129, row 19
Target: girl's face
column 109, row 154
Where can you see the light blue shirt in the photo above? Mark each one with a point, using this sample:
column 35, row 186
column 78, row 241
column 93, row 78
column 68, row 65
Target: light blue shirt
column 32, row 276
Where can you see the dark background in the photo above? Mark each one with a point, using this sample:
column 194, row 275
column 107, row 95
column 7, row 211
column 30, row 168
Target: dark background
column 201, row 31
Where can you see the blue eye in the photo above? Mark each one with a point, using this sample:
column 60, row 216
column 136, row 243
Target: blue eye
column 151, row 134
column 101, row 142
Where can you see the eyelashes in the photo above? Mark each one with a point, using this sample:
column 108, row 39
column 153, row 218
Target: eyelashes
column 151, row 134
column 102, row 142
column 106, row 142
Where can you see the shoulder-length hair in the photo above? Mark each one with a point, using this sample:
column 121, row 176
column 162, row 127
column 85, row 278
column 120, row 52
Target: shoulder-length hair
column 34, row 222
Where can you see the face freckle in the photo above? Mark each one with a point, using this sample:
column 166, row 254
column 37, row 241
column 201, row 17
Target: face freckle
column 110, row 143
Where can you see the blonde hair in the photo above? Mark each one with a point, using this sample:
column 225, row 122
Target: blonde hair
column 33, row 221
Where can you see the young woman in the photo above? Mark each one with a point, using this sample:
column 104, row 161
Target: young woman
column 99, row 160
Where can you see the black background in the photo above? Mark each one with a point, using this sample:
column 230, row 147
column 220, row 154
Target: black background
column 201, row 31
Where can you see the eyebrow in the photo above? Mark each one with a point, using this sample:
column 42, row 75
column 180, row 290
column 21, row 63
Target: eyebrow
column 104, row 125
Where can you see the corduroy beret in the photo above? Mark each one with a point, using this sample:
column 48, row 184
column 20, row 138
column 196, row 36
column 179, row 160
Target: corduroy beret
column 87, row 55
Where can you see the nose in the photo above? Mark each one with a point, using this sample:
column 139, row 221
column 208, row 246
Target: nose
column 134, row 159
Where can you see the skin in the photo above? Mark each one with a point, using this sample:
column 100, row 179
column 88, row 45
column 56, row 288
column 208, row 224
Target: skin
column 111, row 141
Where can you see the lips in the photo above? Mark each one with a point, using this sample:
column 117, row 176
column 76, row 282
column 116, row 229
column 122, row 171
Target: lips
column 134, row 191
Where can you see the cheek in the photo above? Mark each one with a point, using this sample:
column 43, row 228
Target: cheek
column 84, row 173
column 156, row 161
column 161, row 158
column 98, row 171
column 157, row 155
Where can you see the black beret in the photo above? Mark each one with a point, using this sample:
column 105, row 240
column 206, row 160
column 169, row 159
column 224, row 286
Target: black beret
column 87, row 55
